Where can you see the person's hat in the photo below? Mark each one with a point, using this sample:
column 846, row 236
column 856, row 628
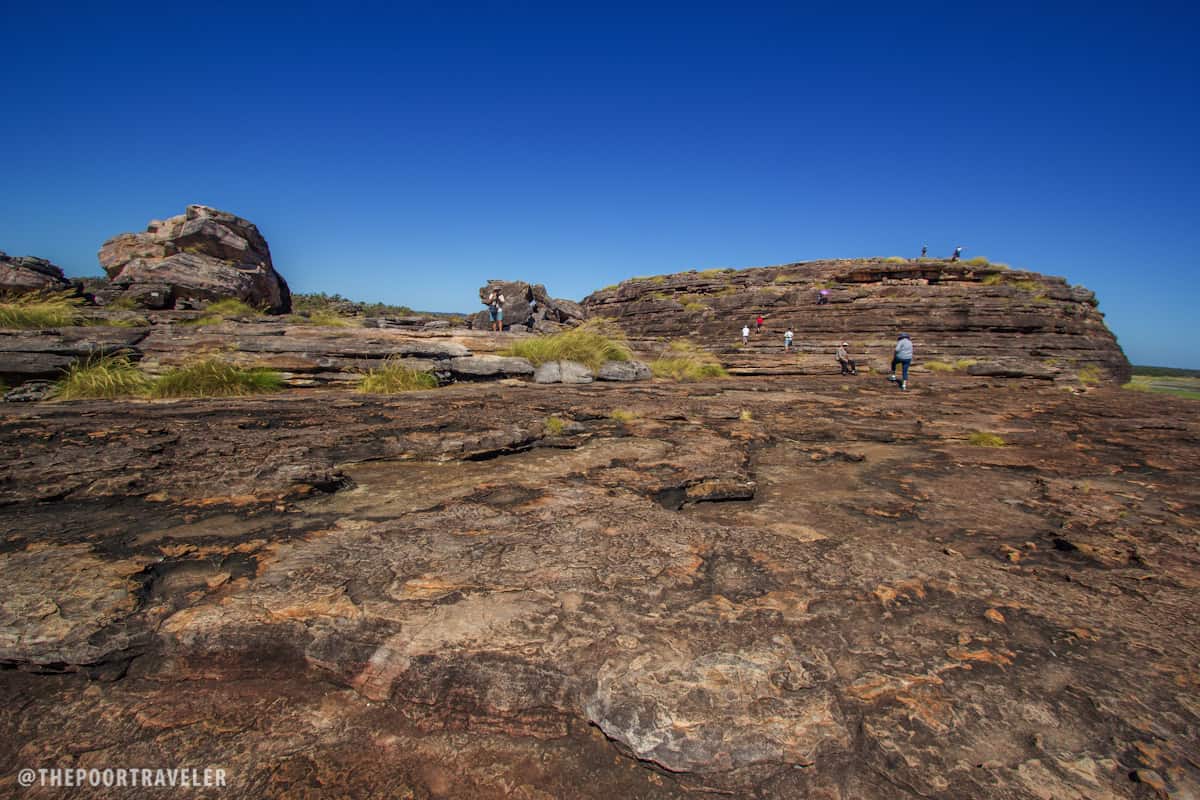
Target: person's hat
column 845, row 344
column 902, row 336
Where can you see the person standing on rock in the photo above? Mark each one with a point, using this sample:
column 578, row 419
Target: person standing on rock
column 843, row 358
column 745, row 334
column 787, row 341
column 533, row 309
column 924, row 250
column 957, row 254
column 759, row 324
column 495, row 304
column 902, row 355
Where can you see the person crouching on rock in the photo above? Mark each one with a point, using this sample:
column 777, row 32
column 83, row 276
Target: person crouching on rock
column 902, row 355
column 495, row 304
column 843, row 358
column 533, row 310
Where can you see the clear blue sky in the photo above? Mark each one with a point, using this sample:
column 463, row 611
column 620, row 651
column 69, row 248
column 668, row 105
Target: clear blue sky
column 408, row 152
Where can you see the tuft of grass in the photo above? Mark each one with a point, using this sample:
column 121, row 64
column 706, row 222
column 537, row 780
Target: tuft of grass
column 746, row 416
column 395, row 377
column 895, row 260
column 33, row 311
column 592, row 343
column 211, row 377
column 231, row 307
column 694, row 306
column 623, row 416
column 123, row 304
column 999, row 265
column 946, row 366
column 977, row 261
column 714, row 273
column 1089, row 373
column 103, row 377
column 554, row 426
column 1025, row 285
column 992, row 280
column 327, row 319
column 984, row 439
column 684, row 361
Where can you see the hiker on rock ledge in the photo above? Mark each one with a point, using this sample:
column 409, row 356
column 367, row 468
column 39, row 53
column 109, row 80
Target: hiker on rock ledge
column 787, row 341
column 843, row 358
column 902, row 355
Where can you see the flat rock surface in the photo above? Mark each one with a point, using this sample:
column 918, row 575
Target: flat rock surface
column 760, row 588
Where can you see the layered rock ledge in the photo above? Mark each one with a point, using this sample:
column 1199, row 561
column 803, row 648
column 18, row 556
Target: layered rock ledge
column 985, row 319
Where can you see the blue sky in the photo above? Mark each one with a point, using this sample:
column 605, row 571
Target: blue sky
column 408, row 152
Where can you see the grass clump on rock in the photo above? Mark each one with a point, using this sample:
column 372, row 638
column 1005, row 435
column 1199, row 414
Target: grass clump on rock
column 985, row 439
column 103, row 377
column 592, row 344
column 33, row 311
column 393, row 378
column 555, row 426
column 684, row 361
column 221, row 310
column 211, row 377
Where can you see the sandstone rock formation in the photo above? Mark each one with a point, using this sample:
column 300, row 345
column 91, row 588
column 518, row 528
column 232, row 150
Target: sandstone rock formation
column 552, row 314
column 443, row 595
column 991, row 320
column 201, row 255
column 21, row 274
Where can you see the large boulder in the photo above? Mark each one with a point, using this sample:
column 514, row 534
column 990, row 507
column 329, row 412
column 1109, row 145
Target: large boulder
column 199, row 256
column 552, row 311
column 21, row 274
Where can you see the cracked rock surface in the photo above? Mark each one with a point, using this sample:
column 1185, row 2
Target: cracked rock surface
column 762, row 588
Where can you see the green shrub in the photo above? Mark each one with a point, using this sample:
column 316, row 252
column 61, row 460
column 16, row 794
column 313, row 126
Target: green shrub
column 963, row 363
column 992, row 280
column 694, row 306
column 984, row 439
column 33, row 311
column 895, row 260
column 746, row 416
column 977, row 261
column 211, row 377
column 592, row 344
column 103, row 377
column 713, row 273
column 623, row 416
column 1089, row 373
column 684, row 361
column 394, row 377
column 554, row 426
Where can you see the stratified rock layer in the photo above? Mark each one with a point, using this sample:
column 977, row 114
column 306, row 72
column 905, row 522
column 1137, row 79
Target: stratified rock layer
column 21, row 274
column 784, row 588
column 199, row 256
column 999, row 322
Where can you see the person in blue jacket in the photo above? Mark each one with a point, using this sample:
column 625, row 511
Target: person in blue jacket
column 903, row 356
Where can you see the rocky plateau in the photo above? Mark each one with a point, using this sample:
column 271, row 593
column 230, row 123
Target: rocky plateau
column 781, row 584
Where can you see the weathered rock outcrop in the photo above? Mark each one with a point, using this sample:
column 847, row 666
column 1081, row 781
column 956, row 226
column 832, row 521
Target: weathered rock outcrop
column 199, row 256
column 552, row 313
column 21, row 274
column 1004, row 322
column 531, row 592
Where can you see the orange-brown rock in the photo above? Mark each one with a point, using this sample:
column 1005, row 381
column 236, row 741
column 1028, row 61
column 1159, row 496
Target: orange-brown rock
column 761, row 588
column 983, row 320
column 194, row 258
